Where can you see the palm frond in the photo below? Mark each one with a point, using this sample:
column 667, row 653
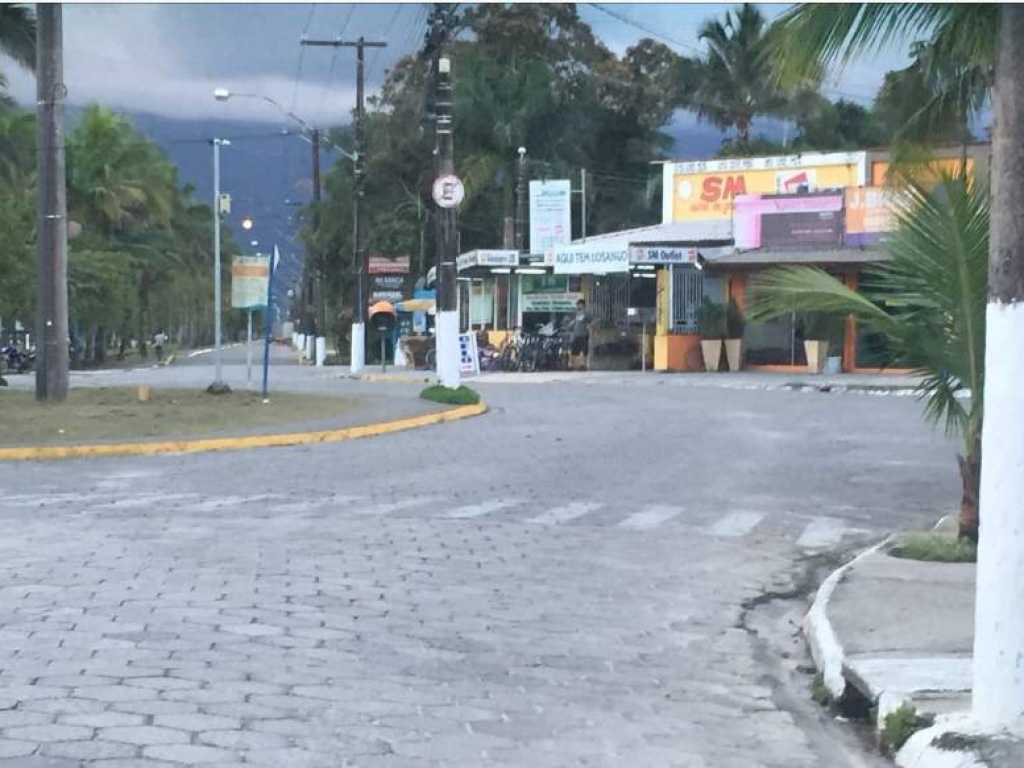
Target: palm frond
column 782, row 290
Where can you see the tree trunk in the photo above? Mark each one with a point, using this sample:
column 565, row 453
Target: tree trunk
column 100, row 345
column 998, row 689
column 970, row 478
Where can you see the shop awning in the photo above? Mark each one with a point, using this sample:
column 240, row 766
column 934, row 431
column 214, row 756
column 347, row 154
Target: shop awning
column 673, row 243
column 773, row 256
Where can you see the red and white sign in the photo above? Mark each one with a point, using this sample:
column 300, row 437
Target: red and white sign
column 388, row 265
column 448, row 191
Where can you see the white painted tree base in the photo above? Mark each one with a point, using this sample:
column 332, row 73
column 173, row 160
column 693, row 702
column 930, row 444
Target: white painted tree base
column 448, row 349
column 321, row 351
column 358, row 350
column 999, row 612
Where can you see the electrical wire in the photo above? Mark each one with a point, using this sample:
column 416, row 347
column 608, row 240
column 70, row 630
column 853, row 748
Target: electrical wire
column 376, row 52
column 302, row 55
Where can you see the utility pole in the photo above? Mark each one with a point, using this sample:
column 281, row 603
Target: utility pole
column 583, row 202
column 316, row 292
column 358, row 354
column 998, row 685
column 521, row 202
column 447, row 329
column 52, row 249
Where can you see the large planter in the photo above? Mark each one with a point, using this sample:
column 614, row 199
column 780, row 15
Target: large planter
column 711, row 349
column 816, row 352
column 734, row 353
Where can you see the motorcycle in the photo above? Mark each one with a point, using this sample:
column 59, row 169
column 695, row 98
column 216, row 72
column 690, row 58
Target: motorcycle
column 16, row 361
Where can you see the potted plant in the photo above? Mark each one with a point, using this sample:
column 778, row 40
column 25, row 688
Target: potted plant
column 711, row 321
column 817, row 329
column 734, row 324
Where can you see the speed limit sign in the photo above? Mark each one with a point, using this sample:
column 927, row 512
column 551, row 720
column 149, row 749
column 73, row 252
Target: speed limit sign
column 448, row 191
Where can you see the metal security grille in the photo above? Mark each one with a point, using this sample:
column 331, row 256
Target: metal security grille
column 463, row 305
column 610, row 299
column 687, row 294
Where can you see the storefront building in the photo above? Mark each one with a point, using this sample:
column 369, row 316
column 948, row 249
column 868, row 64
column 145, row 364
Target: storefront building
column 830, row 210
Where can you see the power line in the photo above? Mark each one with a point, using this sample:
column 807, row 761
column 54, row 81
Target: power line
column 341, row 34
column 376, row 53
column 302, row 56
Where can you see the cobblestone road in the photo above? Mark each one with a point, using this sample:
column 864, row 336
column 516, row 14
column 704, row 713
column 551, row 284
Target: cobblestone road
column 543, row 601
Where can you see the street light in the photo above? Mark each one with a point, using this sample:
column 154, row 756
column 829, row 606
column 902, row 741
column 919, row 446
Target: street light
column 218, row 386
column 223, row 94
column 246, row 223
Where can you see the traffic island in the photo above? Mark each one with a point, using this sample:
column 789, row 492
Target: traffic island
column 113, row 421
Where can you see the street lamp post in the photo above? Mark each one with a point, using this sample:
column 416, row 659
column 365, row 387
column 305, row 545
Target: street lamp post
column 218, row 386
column 311, row 292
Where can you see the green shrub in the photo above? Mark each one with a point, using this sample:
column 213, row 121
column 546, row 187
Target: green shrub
column 899, row 726
column 935, row 547
column 441, row 394
column 711, row 319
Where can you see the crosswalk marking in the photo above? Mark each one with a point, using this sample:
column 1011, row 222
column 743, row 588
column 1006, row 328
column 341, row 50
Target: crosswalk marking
column 824, row 532
column 565, row 513
column 650, row 517
column 395, row 506
column 736, row 524
column 484, row 508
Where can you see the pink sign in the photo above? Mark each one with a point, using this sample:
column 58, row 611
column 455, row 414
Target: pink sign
column 751, row 211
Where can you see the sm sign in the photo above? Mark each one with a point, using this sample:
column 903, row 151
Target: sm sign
column 717, row 188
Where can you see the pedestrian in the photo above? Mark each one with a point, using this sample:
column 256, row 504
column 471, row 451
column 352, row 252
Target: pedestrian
column 580, row 329
column 159, row 339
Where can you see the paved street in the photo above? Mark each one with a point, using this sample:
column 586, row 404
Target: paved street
column 561, row 582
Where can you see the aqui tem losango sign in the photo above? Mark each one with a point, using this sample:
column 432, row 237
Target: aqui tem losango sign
column 590, row 260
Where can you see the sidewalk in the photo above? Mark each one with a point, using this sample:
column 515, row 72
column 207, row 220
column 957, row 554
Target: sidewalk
column 901, row 632
column 879, row 384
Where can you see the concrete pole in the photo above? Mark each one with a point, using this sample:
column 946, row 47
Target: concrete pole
column 218, row 386
column 52, row 245
column 998, row 691
column 447, row 319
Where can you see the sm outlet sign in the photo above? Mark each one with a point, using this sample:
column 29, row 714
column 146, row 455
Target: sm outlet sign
column 708, row 189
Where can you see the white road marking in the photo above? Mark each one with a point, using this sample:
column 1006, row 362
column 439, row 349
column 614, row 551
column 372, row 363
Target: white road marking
column 824, row 532
column 141, row 500
column 311, row 504
column 395, row 506
column 565, row 513
column 736, row 524
column 484, row 508
column 219, row 502
column 650, row 517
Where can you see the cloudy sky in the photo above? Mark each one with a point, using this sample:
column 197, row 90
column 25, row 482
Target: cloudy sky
column 168, row 58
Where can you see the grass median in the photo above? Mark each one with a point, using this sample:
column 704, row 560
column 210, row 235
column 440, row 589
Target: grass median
column 114, row 414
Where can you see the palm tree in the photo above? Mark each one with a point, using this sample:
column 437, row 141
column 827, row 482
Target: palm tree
column 735, row 82
column 928, row 300
column 17, row 40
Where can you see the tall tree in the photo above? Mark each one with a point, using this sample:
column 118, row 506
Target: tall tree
column 735, row 82
column 17, row 40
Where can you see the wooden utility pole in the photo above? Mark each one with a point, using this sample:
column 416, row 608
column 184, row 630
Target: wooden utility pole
column 998, row 689
column 358, row 354
column 52, row 248
column 521, row 202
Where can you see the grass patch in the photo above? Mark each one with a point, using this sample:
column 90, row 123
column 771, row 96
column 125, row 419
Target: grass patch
column 112, row 414
column 899, row 726
column 441, row 394
column 819, row 691
column 935, row 547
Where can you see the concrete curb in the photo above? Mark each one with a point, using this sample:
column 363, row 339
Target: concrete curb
column 920, row 750
column 826, row 650
column 36, row 453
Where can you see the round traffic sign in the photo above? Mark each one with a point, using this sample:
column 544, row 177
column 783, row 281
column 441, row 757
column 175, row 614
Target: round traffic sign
column 448, row 191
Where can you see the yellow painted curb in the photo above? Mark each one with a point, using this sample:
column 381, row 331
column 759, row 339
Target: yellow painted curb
column 235, row 443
